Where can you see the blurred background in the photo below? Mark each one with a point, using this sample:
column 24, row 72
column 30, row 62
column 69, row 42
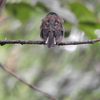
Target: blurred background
column 66, row 72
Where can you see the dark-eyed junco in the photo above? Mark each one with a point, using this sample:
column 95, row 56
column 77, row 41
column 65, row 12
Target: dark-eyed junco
column 51, row 29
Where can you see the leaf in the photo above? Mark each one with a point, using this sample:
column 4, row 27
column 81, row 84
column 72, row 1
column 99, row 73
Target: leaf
column 21, row 11
column 89, row 28
column 82, row 12
column 24, row 11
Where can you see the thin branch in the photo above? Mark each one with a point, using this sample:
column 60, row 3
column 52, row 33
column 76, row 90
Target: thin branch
column 3, row 42
column 30, row 85
column 80, row 42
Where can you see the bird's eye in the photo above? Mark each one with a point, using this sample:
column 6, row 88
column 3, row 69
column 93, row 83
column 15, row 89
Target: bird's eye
column 56, row 23
column 47, row 23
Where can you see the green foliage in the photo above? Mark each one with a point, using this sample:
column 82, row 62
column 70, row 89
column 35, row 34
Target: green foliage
column 86, row 18
column 89, row 28
column 68, row 72
column 21, row 11
column 82, row 12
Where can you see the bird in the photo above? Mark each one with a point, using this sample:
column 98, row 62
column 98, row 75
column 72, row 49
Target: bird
column 52, row 30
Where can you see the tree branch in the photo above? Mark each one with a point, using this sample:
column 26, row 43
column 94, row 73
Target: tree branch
column 25, row 82
column 3, row 42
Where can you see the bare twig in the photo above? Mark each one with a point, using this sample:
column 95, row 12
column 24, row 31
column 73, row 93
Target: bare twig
column 3, row 42
column 30, row 85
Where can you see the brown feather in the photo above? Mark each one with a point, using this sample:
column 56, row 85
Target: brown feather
column 52, row 29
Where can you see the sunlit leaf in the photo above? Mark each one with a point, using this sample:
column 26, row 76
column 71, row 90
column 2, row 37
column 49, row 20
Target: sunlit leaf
column 24, row 11
column 89, row 29
column 82, row 12
column 21, row 11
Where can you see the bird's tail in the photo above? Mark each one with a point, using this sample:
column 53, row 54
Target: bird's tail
column 50, row 40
